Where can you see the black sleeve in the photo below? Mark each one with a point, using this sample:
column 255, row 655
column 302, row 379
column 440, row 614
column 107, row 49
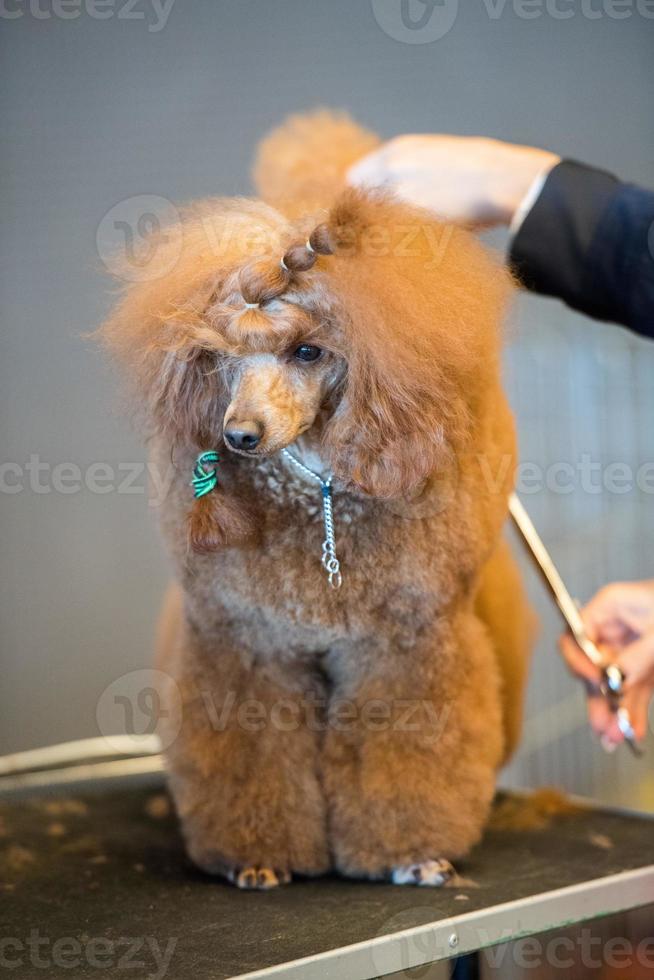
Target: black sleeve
column 589, row 239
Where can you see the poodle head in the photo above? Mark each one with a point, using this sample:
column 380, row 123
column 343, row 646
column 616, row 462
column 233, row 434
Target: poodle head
column 374, row 330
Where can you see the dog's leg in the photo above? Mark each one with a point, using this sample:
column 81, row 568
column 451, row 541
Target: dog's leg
column 244, row 768
column 410, row 779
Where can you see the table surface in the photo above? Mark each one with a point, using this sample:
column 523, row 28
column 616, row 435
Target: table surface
column 107, row 863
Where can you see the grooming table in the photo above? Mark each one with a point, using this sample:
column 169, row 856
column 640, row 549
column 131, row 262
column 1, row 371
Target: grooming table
column 100, row 869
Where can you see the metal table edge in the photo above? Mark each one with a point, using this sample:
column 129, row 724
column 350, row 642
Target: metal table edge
column 472, row 931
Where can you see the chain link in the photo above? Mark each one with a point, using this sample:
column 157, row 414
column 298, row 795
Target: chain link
column 329, row 560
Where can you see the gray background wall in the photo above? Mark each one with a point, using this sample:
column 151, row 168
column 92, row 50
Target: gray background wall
column 97, row 111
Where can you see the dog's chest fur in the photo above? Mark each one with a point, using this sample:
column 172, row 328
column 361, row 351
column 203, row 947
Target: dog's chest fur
column 275, row 595
column 284, row 487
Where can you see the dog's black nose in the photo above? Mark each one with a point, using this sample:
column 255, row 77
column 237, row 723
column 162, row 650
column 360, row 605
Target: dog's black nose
column 245, row 436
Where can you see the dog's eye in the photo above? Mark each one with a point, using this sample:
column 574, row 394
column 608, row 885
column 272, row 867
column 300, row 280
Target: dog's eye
column 307, row 352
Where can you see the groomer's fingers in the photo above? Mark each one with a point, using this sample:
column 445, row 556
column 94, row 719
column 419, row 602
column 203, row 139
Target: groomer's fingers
column 637, row 704
column 605, row 724
column 577, row 660
column 599, row 715
column 636, row 661
column 432, row 172
column 612, row 736
column 620, row 612
column 370, row 170
column 470, row 180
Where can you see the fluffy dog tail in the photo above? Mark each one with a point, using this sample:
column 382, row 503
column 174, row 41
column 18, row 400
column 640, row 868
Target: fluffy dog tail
column 300, row 167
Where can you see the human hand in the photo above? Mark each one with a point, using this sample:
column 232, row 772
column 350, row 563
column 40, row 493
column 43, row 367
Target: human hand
column 470, row 180
column 619, row 619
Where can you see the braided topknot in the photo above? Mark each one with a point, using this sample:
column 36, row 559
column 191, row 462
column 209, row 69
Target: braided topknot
column 347, row 222
column 259, row 283
column 302, row 257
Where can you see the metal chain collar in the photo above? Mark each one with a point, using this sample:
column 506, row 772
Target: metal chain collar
column 329, row 560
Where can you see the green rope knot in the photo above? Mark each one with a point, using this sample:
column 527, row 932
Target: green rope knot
column 205, row 473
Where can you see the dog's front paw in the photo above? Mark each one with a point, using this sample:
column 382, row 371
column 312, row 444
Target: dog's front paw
column 433, row 874
column 257, row 877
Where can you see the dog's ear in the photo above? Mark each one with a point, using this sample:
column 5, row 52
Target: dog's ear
column 169, row 344
column 168, row 330
column 420, row 304
column 185, row 398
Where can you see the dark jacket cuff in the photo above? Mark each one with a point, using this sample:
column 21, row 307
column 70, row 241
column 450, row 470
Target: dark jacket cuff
column 587, row 241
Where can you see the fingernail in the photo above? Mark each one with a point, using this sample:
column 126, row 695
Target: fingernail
column 607, row 744
column 624, row 724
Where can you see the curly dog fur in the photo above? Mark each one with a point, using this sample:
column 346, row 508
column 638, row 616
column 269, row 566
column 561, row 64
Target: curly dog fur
column 358, row 729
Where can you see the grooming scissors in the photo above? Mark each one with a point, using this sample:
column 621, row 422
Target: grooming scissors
column 612, row 679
